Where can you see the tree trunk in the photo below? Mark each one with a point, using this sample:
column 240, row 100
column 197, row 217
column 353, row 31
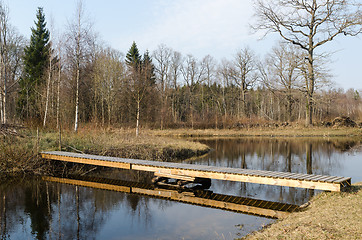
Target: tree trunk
column 58, row 96
column 243, row 99
column 309, row 111
column 309, row 157
column 138, row 117
column 1, row 107
column 102, row 110
column 47, row 93
column 289, row 107
column 3, row 89
column 109, row 111
column 76, row 101
column 310, row 81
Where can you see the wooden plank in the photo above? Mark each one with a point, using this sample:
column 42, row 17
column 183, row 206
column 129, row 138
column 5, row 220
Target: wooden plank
column 336, row 179
column 329, row 178
column 300, row 176
column 316, row 178
column 345, row 179
column 311, row 176
column 284, row 175
column 88, row 161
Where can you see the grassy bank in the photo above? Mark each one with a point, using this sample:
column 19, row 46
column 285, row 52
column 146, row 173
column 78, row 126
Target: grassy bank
column 19, row 154
column 124, row 143
column 266, row 132
column 329, row 216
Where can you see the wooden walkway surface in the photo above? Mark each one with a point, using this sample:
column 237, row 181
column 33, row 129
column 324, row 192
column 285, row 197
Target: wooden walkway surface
column 199, row 197
column 191, row 171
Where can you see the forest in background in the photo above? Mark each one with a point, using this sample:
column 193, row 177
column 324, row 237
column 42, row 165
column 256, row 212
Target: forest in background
column 76, row 79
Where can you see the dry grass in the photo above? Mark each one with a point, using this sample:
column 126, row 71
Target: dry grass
column 275, row 132
column 20, row 154
column 330, row 216
column 124, row 143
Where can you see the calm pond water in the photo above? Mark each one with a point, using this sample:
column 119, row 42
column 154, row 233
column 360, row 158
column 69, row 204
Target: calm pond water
column 84, row 209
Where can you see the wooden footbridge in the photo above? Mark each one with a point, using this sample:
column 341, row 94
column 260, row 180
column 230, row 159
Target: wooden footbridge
column 192, row 172
column 196, row 197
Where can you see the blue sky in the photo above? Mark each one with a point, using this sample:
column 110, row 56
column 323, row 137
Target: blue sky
column 200, row 27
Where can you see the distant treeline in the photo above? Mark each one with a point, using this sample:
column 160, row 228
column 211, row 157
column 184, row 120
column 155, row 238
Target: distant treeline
column 75, row 78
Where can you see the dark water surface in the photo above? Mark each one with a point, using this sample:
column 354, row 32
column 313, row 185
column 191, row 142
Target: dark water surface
column 39, row 209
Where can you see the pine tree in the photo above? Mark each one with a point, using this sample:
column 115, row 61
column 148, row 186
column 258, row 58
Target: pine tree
column 36, row 57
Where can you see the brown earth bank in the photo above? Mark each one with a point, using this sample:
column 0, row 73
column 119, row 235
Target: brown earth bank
column 329, row 216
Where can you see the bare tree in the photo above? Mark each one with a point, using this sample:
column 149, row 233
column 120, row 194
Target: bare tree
column 209, row 65
column 281, row 72
column 309, row 24
column 4, row 22
column 243, row 74
column 11, row 50
column 109, row 71
column 162, row 56
column 174, row 72
column 193, row 74
column 224, row 76
column 79, row 38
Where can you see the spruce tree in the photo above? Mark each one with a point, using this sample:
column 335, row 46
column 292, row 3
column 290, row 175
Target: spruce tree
column 36, row 57
column 148, row 68
column 133, row 57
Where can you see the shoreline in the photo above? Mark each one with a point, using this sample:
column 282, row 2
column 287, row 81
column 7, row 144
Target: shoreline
column 263, row 132
column 330, row 215
column 158, row 145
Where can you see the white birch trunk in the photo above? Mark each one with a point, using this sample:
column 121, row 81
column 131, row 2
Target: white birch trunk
column 138, row 118
column 1, row 108
column 76, row 102
column 58, row 96
column 47, row 93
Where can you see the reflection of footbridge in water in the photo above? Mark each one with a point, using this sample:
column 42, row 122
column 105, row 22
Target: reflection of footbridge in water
column 196, row 197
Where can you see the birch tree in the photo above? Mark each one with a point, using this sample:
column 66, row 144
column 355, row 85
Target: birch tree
column 3, row 63
column 78, row 45
column 309, row 24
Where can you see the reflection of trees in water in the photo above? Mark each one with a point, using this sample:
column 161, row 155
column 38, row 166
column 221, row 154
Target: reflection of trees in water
column 20, row 200
column 36, row 200
column 287, row 155
column 59, row 211
column 314, row 156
